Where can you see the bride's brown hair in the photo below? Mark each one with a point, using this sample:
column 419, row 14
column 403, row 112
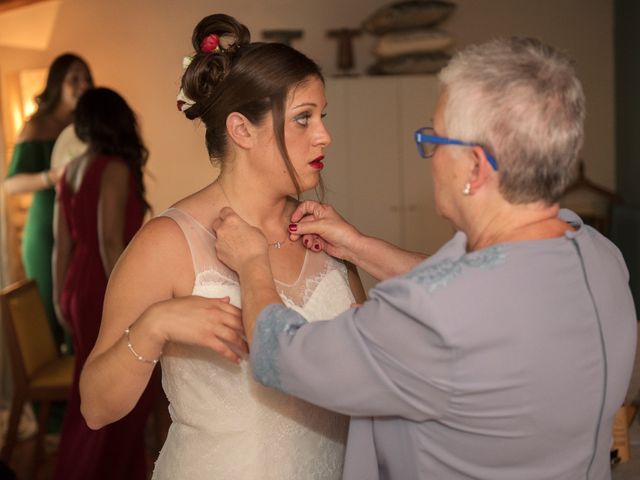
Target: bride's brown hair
column 249, row 78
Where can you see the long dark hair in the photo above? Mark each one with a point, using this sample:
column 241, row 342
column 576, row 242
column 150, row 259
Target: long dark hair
column 48, row 100
column 250, row 78
column 104, row 121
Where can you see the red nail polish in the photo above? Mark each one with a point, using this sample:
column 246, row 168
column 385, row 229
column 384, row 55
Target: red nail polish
column 306, row 242
column 293, row 227
column 316, row 247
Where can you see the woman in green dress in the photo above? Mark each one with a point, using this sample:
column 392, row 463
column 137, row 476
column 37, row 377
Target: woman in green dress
column 30, row 169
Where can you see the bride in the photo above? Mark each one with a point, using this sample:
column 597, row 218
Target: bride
column 169, row 298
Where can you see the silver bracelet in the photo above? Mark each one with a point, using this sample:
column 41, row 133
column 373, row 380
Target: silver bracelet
column 135, row 354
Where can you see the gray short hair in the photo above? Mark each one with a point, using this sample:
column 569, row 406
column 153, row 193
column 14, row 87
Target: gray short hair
column 523, row 102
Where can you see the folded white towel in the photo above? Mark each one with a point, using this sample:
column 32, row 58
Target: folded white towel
column 412, row 41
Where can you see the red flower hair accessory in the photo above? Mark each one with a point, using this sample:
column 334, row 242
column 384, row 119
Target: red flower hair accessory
column 210, row 43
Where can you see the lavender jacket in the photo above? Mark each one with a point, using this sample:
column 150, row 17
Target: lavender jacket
column 508, row 362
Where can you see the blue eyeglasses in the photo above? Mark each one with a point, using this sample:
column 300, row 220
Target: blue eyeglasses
column 427, row 142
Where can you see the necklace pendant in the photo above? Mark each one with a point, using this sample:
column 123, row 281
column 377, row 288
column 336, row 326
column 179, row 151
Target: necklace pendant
column 277, row 245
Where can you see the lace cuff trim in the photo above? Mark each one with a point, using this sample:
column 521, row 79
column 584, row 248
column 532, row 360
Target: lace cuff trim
column 271, row 323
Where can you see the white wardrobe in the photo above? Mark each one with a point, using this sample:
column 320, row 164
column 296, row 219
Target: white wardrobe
column 373, row 173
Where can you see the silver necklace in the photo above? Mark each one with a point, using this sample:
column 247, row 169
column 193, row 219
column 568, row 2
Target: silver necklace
column 277, row 244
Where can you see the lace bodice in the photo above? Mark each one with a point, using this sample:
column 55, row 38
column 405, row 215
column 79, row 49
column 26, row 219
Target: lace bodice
column 227, row 426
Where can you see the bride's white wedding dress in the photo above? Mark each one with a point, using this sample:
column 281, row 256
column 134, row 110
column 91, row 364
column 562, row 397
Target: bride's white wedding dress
column 225, row 425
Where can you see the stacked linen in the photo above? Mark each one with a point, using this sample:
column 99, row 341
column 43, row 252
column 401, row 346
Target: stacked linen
column 408, row 41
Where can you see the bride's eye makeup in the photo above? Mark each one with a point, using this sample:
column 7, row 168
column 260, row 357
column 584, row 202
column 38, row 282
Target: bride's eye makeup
column 302, row 118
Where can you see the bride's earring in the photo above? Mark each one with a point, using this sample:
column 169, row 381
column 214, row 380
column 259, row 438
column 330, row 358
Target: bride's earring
column 467, row 189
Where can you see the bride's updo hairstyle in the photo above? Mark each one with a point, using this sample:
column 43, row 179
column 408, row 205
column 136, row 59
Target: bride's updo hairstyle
column 229, row 74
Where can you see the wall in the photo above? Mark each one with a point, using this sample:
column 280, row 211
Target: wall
column 136, row 47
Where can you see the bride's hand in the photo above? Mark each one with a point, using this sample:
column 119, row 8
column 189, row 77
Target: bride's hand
column 237, row 242
column 208, row 322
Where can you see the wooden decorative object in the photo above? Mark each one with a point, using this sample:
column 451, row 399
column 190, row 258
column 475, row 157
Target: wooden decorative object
column 345, row 49
column 591, row 201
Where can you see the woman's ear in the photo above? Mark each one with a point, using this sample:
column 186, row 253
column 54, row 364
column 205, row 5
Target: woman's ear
column 239, row 129
column 481, row 168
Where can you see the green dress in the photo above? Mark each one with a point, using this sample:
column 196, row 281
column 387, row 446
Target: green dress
column 37, row 241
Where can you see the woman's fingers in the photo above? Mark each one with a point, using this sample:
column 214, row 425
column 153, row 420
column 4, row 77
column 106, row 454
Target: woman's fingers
column 310, row 230
column 308, row 240
column 221, row 338
column 314, row 243
column 209, row 322
column 319, row 244
column 237, row 241
column 223, row 349
column 226, row 319
column 308, row 207
column 303, row 214
column 225, row 306
column 232, row 337
column 317, row 230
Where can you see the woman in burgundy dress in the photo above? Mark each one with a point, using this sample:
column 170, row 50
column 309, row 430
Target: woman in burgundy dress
column 100, row 207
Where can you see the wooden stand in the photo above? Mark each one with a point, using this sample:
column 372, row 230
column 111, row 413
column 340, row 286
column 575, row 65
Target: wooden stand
column 621, row 423
column 345, row 50
column 282, row 36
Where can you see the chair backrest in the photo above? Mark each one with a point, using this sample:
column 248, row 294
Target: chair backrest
column 27, row 330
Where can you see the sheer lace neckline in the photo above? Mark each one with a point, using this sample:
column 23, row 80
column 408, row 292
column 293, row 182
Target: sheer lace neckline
column 213, row 236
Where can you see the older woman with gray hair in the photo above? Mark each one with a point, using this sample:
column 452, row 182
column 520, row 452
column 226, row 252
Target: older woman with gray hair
column 505, row 354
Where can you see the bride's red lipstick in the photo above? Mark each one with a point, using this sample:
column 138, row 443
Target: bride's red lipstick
column 317, row 163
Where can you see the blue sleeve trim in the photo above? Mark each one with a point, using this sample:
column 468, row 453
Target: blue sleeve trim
column 272, row 322
column 438, row 275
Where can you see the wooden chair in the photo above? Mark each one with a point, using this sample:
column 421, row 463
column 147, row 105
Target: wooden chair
column 621, row 423
column 40, row 374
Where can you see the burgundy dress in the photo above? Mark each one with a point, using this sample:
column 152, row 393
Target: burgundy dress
column 117, row 450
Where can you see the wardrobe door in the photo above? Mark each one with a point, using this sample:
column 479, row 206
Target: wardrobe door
column 363, row 175
column 374, row 175
column 424, row 230
column 372, row 138
column 336, row 174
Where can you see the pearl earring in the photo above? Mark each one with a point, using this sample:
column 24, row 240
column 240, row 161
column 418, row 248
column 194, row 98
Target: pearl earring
column 467, row 189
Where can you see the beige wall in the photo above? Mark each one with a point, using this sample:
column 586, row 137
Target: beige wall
column 136, row 47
